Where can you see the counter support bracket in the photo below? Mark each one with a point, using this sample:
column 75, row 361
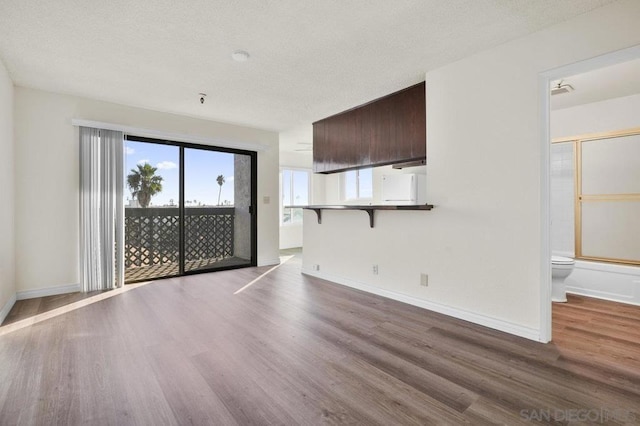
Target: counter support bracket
column 369, row 209
column 319, row 214
column 370, row 212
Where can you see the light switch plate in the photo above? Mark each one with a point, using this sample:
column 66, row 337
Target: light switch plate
column 266, row 199
column 424, row 280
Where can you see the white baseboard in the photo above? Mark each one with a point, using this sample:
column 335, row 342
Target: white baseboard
column 486, row 321
column 268, row 262
column 49, row 291
column 608, row 281
column 602, row 296
column 7, row 308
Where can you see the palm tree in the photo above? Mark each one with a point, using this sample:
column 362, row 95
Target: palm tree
column 220, row 180
column 144, row 183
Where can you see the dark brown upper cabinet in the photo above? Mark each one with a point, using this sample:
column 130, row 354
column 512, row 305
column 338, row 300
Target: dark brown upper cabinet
column 388, row 130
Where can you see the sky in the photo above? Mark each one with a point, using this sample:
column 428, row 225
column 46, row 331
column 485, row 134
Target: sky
column 202, row 167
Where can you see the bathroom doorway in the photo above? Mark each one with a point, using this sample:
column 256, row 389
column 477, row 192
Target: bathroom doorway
column 590, row 167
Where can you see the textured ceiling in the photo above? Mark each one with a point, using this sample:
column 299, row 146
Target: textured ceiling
column 309, row 59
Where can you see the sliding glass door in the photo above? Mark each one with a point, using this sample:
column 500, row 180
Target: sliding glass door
column 152, row 216
column 217, row 222
column 188, row 209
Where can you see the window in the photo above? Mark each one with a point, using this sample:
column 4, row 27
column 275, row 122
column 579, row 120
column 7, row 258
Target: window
column 358, row 184
column 295, row 192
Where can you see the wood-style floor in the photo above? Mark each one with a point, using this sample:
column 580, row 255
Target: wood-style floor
column 292, row 349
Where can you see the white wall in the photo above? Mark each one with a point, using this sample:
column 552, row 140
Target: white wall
column 481, row 245
column 7, row 200
column 46, row 170
column 596, row 117
column 291, row 235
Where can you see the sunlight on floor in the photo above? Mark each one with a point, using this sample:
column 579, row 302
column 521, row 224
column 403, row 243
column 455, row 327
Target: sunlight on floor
column 9, row 328
column 283, row 260
column 18, row 325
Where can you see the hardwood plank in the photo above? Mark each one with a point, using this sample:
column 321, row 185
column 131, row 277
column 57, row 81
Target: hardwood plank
column 486, row 411
column 195, row 403
column 389, row 399
column 240, row 393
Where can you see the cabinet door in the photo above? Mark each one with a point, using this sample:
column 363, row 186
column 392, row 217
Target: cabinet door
column 380, row 132
column 363, row 133
column 350, row 148
column 320, row 150
column 389, row 130
column 416, row 125
column 336, row 142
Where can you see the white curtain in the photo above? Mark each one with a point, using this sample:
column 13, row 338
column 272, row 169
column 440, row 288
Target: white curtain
column 101, row 209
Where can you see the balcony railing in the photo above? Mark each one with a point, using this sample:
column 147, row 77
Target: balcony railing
column 152, row 239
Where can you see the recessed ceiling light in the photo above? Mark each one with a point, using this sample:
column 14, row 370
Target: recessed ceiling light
column 240, row 56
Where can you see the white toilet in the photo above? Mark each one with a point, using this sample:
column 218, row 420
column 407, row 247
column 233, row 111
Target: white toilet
column 561, row 268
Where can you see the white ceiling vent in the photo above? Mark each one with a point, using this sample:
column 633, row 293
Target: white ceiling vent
column 561, row 88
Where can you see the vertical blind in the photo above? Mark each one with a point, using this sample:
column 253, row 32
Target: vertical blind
column 101, row 209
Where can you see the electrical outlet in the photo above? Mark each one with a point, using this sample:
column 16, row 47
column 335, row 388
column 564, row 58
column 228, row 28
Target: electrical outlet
column 375, row 269
column 316, row 267
column 424, row 280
